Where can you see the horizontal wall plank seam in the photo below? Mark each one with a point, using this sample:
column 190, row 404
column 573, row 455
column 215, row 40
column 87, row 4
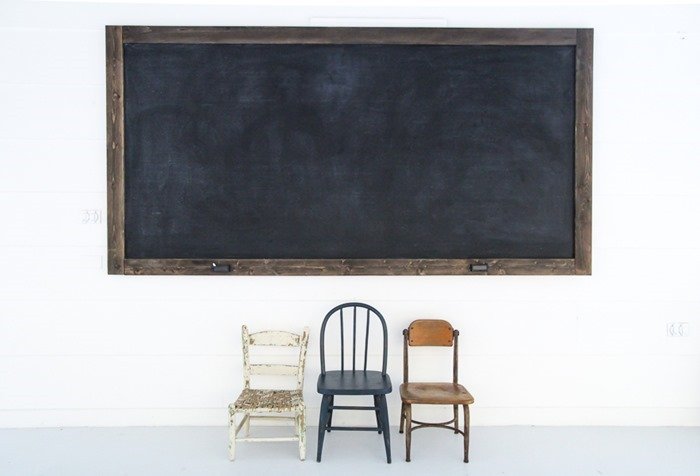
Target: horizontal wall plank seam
column 390, row 354
column 223, row 408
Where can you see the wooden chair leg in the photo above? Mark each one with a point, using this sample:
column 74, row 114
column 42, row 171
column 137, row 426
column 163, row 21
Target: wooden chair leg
column 403, row 417
column 301, row 429
column 232, row 436
column 322, row 422
column 408, row 432
column 466, row 433
column 330, row 415
column 455, row 411
column 376, row 414
column 384, row 416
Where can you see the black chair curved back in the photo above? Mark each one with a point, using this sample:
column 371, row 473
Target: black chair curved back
column 353, row 378
column 350, row 310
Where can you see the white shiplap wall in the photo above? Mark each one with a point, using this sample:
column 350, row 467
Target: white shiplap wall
column 79, row 347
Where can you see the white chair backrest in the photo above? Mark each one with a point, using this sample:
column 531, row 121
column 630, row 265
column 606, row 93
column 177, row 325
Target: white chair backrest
column 274, row 339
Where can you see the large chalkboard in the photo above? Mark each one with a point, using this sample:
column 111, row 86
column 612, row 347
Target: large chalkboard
column 361, row 152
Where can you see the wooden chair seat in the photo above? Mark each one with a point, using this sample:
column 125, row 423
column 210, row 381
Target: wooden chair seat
column 348, row 382
column 268, row 400
column 437, row 393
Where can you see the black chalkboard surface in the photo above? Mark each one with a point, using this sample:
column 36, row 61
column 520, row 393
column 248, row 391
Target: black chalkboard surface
column 352, row 151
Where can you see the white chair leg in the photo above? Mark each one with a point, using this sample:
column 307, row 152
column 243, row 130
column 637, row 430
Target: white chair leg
column 247, row 424
column 301, row 428
column 232, row 437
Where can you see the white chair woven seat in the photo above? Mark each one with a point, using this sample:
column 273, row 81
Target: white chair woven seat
column 261, row 400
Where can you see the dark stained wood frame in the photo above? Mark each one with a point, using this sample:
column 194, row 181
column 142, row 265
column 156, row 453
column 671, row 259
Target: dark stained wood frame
column 582, row 39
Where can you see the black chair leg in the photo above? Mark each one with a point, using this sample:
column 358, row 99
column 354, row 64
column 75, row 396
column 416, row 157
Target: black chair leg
column 376, row 413
column 322, row 422
column 330, row 415
column 384, row 415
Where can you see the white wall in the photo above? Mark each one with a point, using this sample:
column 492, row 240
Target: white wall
column 79, row 347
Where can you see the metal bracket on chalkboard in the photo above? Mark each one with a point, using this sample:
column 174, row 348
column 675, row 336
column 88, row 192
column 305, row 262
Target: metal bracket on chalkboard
column 221, row 268
column 478, row 267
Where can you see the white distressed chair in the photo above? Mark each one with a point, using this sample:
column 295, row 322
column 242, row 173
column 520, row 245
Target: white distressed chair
column 252, row 402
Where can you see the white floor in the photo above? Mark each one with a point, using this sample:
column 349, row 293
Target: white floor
column 521, row 451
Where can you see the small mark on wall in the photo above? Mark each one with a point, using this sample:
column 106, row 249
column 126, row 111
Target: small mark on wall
column 91, row 216
column 677, row 329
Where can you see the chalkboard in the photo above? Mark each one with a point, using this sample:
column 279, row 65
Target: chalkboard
column 349, row 151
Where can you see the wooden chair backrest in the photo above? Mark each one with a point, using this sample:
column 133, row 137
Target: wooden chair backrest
column 430, row 333
column 274, row 339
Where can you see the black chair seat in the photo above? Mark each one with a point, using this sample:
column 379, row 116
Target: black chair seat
column 359, row 382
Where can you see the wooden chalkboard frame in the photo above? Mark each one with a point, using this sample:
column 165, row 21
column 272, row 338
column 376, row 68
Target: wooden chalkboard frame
column 117, row 36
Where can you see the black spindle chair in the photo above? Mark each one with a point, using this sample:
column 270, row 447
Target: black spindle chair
column 354, row 380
